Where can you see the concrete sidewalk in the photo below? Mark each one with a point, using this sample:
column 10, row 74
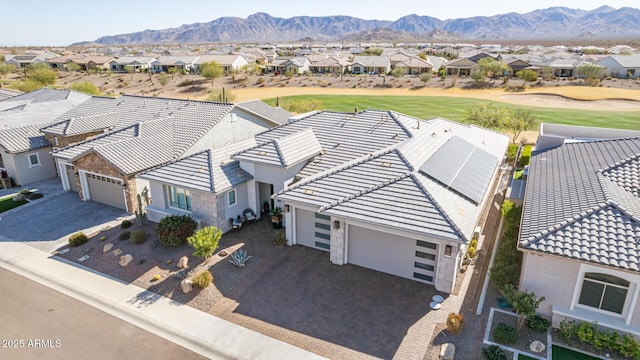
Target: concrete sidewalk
column 193, row 329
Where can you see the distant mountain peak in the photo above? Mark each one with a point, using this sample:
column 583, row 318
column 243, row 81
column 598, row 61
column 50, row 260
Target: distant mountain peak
column 557, row 22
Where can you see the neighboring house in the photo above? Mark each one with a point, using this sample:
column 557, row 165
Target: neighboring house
column 181, row 63
column 371, row 65
column 580, row 230
column 85, row 62
column 296, row 65
column 138, row 63
column 517, row 64
column 330, row 65
column 26, row 59
column 564, row 67
column 621, row 66
column 459, row 67
column 24, row 150
column 376, row 189
column 227, row 62
column 132, row 134
column 415, row 66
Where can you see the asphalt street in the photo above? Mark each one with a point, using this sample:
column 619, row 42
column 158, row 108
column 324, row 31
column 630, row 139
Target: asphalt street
column 40, row 323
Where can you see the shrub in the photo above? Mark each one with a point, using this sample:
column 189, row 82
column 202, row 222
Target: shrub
column 538, row 323
column 301, row 106
column 78, row 239
column 205, row 241
column 454, row 323
column 260, row 80
column 35, row 196
column 125, row 235
column 586, row 332
column 156, row 277
column 512, row 150
column 525, row 156
column 139, row 237
column 173, row 230
column 568, row 330
column 505, row 334
column 279, row 239
column 629, row 347
column 103, row 238
column 125, row 224
column 493, row 352
column 85, row 87
column 202, row 279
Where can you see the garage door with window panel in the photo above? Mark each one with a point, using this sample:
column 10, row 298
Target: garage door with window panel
column 313, row 229
column 106, row 190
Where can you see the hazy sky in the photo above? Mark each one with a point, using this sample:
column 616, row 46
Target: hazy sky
column 62, row 22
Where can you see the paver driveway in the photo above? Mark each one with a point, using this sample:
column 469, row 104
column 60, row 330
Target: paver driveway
column 51, row 218
column 297, row 295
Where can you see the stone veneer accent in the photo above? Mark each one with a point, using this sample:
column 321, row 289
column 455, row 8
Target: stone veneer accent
column 64, row 141
column 446, row 269
column 95, row 163
column 205, row 207
column 337, row 242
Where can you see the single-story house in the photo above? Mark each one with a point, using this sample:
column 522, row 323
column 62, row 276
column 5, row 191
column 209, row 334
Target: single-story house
column 296, row 65
column 376, row 189
column 371, row 65
column 28, row 58
column 415, row 66
column 131, row 134
column 459, row 67
column 228, row 62
column 580, row 230
column 85, row 62
column 621, row 66
column 330, row 65
column 181, row 63
column 24, row 150
column 138, row 63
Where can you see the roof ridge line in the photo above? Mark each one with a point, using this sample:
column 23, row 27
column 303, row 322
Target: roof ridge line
column 437, row 206
column 353, row 163
column 365, row 191
column 96, row 138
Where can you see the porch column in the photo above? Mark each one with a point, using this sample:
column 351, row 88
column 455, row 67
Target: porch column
column 252, row 197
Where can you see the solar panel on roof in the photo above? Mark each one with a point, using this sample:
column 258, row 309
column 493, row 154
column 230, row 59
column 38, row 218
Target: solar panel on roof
column 462, row 167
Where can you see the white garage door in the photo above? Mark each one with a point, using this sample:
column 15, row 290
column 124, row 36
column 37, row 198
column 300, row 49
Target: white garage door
column 392, row 254
column 73, row 179
column 313, row 229
column 106, row 190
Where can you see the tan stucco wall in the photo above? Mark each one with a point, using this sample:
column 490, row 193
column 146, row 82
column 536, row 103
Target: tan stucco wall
column 95, row 163
column 551, row 277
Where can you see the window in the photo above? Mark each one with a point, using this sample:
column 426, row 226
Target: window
column 231, row 197
column 34, row 160
column 427, row 267
column 605, row 292
column 426, row 244
column 179, row 198
column 423, row 255
column 423, row 277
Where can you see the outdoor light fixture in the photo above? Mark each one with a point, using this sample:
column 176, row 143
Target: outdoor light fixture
column 286, row 208
column 336, row 224
column 447, row 250
column 77, row 174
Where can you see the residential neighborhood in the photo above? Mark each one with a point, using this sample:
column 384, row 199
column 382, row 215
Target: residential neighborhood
column 322, row 197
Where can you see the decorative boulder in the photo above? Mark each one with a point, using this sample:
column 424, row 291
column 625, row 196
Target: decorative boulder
column 107, row 247
column 447, row 351
column 117, row 252
column 183, row 263
column 186, row 285
column 19, row 197
column 125, row 260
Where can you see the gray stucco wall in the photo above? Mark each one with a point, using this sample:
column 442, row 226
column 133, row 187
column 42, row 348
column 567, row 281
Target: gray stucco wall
column 23, row 174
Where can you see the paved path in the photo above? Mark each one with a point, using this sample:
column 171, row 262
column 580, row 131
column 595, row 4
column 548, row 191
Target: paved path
column 195, row 330
column 64, row 328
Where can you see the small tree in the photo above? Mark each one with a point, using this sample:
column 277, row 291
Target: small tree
column 547, row 73
column 211, row 70
column 130, row 70
column 398, row 71
column 477, row 75
column 205, row 241
column 590, row 72
column 491, row 67
column 425, row 77
column 172, row 71
column 73, row 66
column 163, row 79
column 527, row 75
column 85, row 87
column 487, row 115
column 519, row 121
column 523, row 302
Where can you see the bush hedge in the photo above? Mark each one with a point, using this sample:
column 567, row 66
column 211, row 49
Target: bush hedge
column 525, row 156
column 506, row 266
column 78, row 239
column 173, row 230
column 493, row 352
column 590, row 333
column 505, row 334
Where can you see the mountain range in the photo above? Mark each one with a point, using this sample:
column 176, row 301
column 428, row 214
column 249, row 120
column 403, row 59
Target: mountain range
column 552, row 23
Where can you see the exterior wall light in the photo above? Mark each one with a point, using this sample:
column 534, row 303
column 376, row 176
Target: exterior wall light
column 287, row 208
column 336, row 224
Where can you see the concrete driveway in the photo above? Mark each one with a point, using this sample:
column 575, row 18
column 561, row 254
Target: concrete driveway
column 45, row 223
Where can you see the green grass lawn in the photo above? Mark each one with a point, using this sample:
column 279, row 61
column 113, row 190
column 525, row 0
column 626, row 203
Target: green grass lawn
column 560, row 353
column 453, row 108
column 7, row 203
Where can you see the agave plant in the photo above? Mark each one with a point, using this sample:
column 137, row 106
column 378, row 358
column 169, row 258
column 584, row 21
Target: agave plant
column 239, row 258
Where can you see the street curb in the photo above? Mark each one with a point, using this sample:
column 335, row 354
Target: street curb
column 161, row 329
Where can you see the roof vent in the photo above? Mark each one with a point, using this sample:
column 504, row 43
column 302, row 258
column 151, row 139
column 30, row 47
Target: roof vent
column 385, row 164
column 262, row 153
column 309, row 192
column 433, row 134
